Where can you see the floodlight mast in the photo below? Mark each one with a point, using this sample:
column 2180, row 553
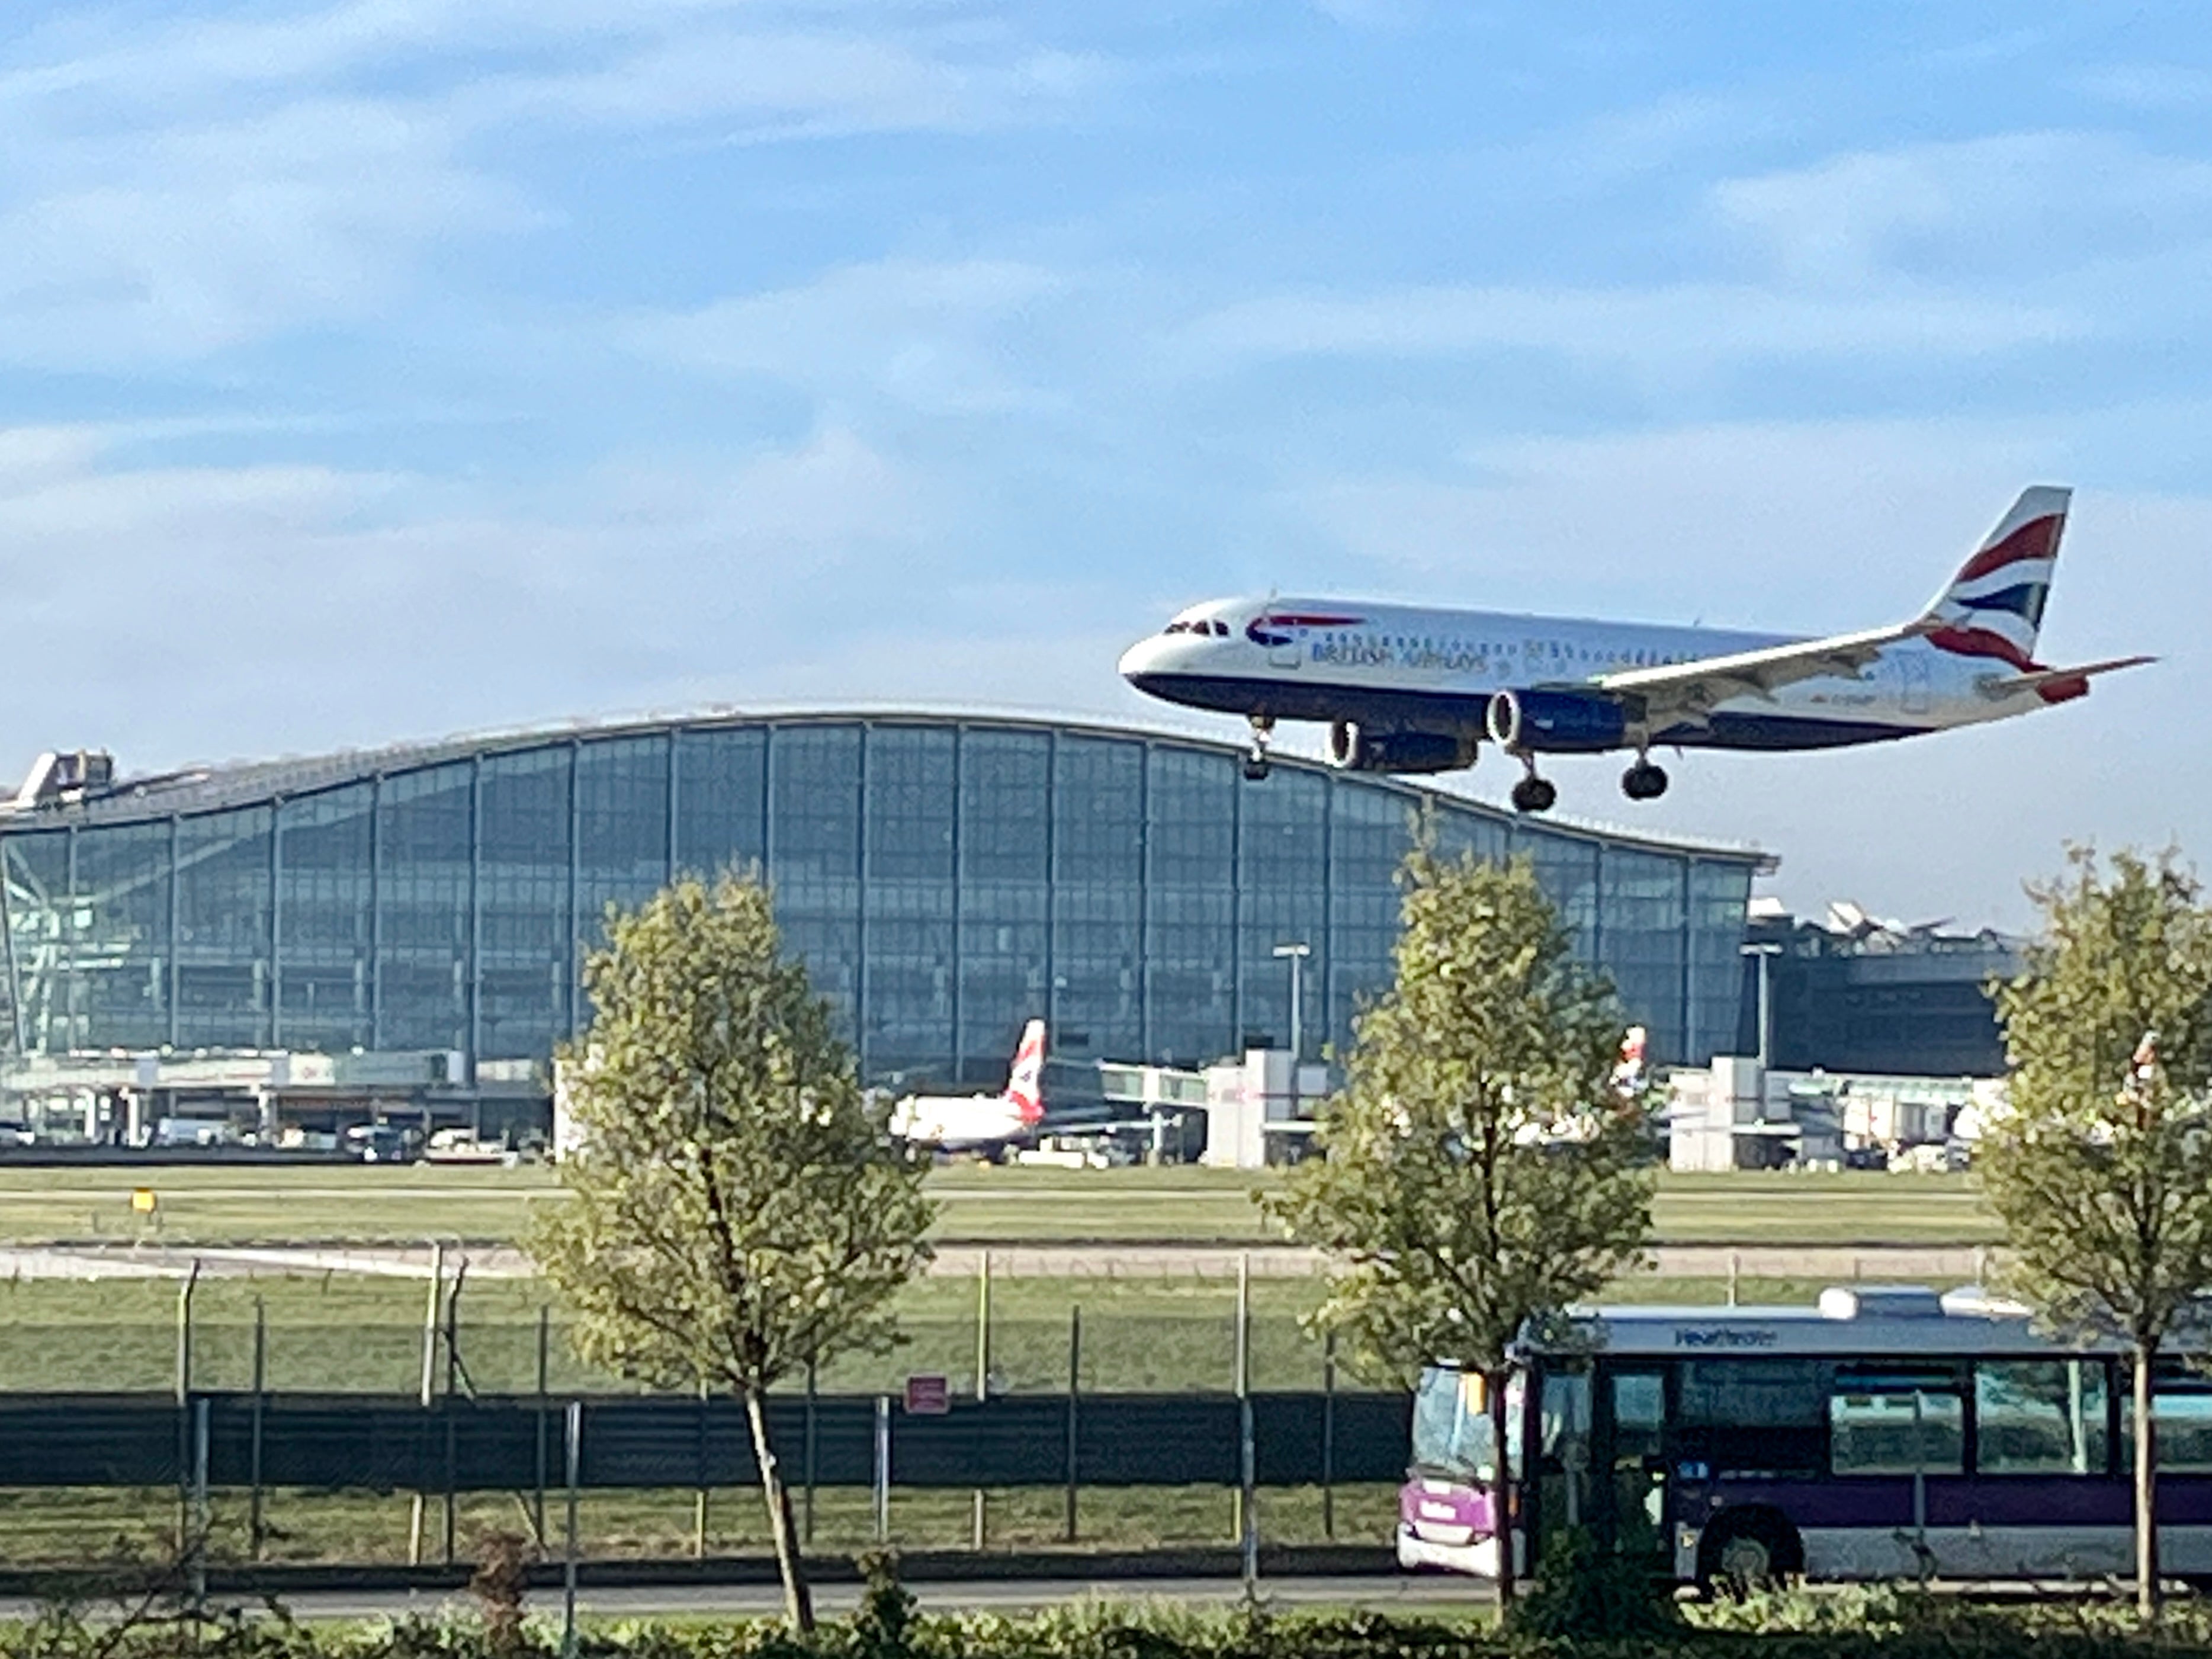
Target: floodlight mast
column 1296, row 955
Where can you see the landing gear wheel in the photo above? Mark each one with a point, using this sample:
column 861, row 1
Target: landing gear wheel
column 1534, row 794
column 1643, row 782
column 1256, row 757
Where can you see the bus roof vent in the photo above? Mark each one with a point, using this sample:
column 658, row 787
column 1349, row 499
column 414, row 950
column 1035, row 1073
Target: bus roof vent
column 1881, row 1302
column 1979, row 1301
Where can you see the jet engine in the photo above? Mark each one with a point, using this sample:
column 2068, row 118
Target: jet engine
column 1353, row 747
column 1556, row 723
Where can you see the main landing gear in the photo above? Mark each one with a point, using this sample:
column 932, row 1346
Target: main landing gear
column 1644, row 781
column 1256, row 757
column 1533, row 793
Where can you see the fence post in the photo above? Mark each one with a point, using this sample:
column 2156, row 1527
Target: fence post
column 200, row 1519
column 575, row 1450
column 427, row 1392
column 807, row 1524
column 544, row 1371
column 1074, row 1398
column 1237, row 1373
column 883, row 1468
column 253, row 1526
column 699, row 1497
column 184, row 1403
column 452, row 1386
column 1247, row 1507
column 982, row 1528
column 1328, row 1437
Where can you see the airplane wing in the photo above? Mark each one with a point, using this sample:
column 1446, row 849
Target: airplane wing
column 1690, row 689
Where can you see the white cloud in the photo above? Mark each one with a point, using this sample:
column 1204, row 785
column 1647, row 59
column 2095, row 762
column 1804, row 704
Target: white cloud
column 1668, row 329
column 170, row 189
column 771, row 83
column 2011, row 207
column 169, row 244
column 1808, row 525
column 267, row 608
column 2155, row 87
column 924, row 333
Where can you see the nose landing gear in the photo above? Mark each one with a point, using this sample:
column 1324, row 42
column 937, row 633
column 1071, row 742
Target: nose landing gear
column 1256, row 757
column 1533, row 793
column 1644, row 781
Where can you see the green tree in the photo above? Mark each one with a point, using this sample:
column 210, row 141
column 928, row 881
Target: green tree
column 2101, row 1166
column 1482, row 1167
column 736, row 1208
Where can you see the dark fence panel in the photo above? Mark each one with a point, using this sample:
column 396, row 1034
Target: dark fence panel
column 508, row 1443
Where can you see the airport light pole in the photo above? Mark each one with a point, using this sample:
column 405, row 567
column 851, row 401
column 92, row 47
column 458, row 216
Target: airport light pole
column 1765, row 953
column 1296, row 955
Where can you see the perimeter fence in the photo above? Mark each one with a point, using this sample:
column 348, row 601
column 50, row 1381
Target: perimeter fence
column 335, row 1420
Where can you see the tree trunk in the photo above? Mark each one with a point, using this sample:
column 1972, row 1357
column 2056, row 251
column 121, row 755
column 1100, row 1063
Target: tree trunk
column 2146, row 1452
column 797, row 1598
column 1503, row 1506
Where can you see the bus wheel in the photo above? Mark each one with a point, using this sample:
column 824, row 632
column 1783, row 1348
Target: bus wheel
column 1747, row 1551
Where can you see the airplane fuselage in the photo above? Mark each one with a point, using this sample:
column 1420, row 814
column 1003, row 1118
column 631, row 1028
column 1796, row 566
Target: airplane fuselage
column 1416, row 669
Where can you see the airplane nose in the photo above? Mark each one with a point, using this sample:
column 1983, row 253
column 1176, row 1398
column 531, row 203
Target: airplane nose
column 1140, row 659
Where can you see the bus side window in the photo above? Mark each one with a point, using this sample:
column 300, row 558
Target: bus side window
column 2183, row 1409
column 2041, row 1417
column 1894, row 1421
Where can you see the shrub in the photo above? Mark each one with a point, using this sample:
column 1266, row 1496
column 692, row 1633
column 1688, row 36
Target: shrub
column 1586, row 1594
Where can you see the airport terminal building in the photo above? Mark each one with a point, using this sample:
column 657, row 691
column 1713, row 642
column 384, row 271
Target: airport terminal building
column 422, row 912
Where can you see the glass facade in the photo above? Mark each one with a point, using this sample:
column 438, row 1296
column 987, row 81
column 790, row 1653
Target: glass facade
column 944, row 880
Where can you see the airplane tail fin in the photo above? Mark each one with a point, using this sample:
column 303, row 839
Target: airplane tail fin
column 1025, row 1082
column 1994, row 606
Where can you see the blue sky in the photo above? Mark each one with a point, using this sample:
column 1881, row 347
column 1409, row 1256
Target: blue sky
column 393, row 368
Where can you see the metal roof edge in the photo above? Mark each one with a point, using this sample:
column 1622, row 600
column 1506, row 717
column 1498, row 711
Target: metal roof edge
column 286, row 775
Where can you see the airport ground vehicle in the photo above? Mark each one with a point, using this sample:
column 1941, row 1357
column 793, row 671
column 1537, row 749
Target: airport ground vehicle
column 382, row 1143
column 1885, row 1432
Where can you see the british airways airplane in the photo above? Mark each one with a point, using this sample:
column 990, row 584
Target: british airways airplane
column 1414, row 690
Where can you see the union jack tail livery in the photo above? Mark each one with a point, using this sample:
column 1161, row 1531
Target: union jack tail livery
column 1025, row 1082
column 1994, row 606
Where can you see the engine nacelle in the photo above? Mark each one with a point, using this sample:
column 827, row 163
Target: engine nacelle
column 1355, row 747
column 1556, row 723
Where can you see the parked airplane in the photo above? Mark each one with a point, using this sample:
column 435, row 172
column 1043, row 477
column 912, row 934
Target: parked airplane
column 982, row 1123
column 1415, row 689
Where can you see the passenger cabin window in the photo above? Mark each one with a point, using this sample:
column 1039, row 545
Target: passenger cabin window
column 1897, row 1420
column 2042, row 1417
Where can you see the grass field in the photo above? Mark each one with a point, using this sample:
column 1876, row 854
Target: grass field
column 341, row 1204
column 80, row 1526
column 342, row 1334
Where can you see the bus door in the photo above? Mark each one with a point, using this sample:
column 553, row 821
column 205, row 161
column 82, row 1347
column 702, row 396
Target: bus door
column 1563, row 1466
column 1633, row 1442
